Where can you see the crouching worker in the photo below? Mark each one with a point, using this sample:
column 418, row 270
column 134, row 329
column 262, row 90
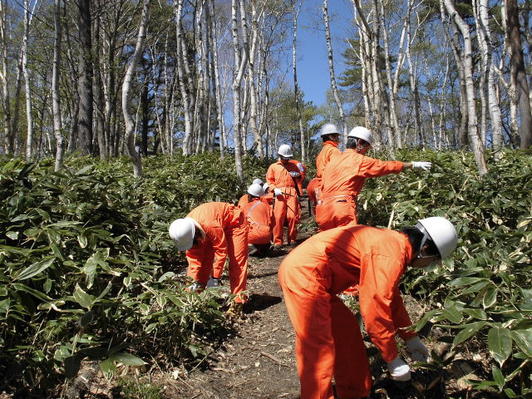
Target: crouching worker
column 260, row 220
column 209, row 234
column 328, row 339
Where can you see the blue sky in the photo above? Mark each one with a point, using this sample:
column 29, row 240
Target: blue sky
column 313, row 69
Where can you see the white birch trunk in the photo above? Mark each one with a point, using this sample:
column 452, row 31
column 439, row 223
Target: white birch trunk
column 126, row 86
column 332, row 74
column 296, row 84
column 56, row 104
column 474, row 139
column 27, row 89
column 8, row 142
column 493, row 104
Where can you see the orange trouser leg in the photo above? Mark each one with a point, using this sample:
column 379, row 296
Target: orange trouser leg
column 237, row 248
column 331, row 214
column 200, row 263
column 279, row 215
column 352, row 375
column 293, row 214
column 310, row 317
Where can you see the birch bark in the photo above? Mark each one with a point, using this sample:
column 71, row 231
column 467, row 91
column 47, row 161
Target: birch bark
column 56, row 103
column 126, row 87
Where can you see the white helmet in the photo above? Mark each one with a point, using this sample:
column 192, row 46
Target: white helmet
column 257, row 181
column 182, row 232
column 360, row 132
column 328, row 128
column 285, row 151
column 442, row 233
column 256, row 190
column 265, row 187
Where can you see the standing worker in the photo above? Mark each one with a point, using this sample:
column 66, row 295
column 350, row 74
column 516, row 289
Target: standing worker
column 328, row 339
column 260, row 220
column 344, row 177
column 209, row 234
column 330, row 138
column 285, row 177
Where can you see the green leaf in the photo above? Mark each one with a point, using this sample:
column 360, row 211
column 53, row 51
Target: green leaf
column 498, row 377
column 490, row 297
column 35, row 269
column 461, row 281
column 500, row 344
column 468, row 331
column 84, row 299
column 34, row 292
column 127, row 359
column 12, row 235
column 108, row 367
column 523, row 339
column 72, row 365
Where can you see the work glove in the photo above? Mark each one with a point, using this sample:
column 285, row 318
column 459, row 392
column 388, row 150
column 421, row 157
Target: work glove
column 277, row 191
column 214, row 282
column 399, row 370
column 195, row 287
column 422, row 165
column 418, row 351
column 295, row 174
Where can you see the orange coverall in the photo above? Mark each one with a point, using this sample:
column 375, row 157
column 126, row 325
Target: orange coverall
column 328, row 339
column 226, row 234
column 260, row 219
column 329, row 150
column 286, row 207
column 343, row 178
column 243, row 201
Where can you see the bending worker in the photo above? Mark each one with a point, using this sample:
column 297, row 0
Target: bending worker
column 209, row 234
column 330, row 137
column 344, row 177
column 328, row 339
column 260, row 219
column 285, row 177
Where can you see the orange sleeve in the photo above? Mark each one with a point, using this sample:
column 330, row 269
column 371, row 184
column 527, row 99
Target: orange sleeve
column 371, row 167
column 401, row 319
column 379, row 280
column 217, row 240
column 270, row 177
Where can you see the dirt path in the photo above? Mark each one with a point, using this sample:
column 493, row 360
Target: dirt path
column 259, row 361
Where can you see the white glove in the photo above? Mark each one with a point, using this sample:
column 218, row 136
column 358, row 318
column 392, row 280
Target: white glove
column 277, row 191
column 418, row 351
column 399, row 370
column 422, row 165
column 294, row 174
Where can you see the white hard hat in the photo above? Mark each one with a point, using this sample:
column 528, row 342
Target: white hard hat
column 265, row 186
column 285, row 151
column 182, row 232
column 360, row 132
column 328, row 128
column 257, row 181
column 255, row 190
column 442, row 233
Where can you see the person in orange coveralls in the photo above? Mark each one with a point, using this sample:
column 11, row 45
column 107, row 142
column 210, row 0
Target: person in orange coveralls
column 209, row 234
column 260, row 220
column 328, row 339
column 330, row 137
column 344, row 176
column 285, row 177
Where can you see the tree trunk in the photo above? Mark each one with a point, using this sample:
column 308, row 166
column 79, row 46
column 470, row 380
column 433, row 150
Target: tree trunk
column 56, row 104
column 240, row 59
column 126, row 86
column 518, row 72
column 85, row 133
column 330, row 59
column 493, row 104
column 29, row 118
column 296, row 84
column 474, row 139
column 9, row 139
